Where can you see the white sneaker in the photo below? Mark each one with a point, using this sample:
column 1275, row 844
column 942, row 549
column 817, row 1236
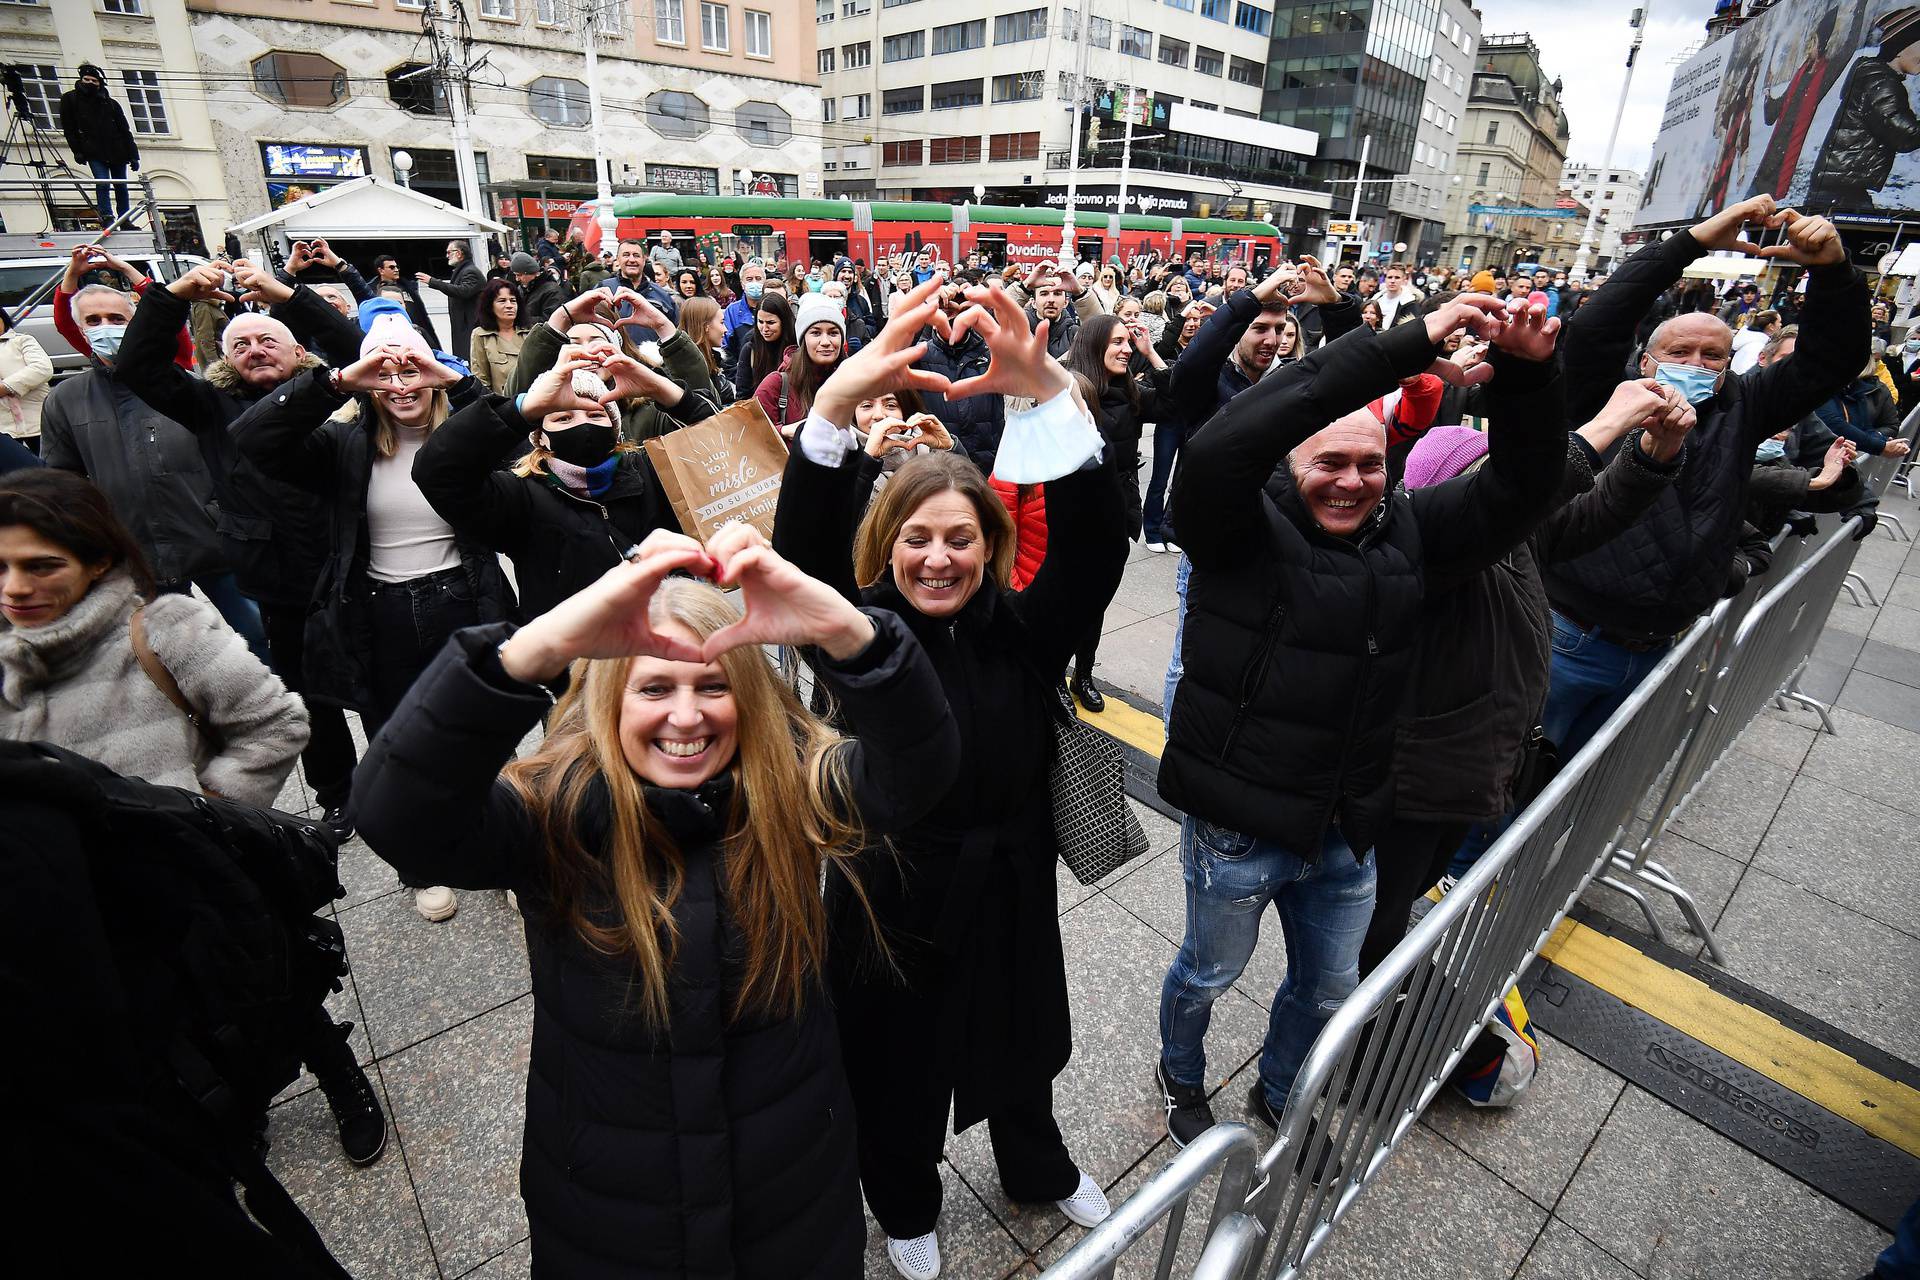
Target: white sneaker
column 1087, row 1206
column 916, row 1259
column 1158, row 548
column 435, row 903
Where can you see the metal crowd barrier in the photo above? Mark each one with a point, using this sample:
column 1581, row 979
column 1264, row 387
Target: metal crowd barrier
column 1391, row 1047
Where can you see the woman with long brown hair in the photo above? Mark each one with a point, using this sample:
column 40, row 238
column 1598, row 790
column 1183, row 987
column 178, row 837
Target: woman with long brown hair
column 687, row 1110
column 974, row 1019
column 787, row 394
column 767, row 350
column 700, row 320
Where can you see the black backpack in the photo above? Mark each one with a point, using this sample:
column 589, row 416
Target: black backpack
column 206, row 906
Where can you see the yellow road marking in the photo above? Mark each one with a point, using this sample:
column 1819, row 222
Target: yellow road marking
column 1135, row 728
column 1820, row 1073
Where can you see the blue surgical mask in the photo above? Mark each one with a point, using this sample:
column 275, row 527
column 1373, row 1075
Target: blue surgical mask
column 104, row 339
column 1691, row 381
column 1912, row 344
column 752, row 288
column 1770, row 451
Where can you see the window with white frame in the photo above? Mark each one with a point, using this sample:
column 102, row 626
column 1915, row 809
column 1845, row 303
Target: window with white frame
column 855, row 56
column 826, row 110
column 1135, row 42
column 759, row 33
column 497, row 9
column 546, row 12
column 856, row 106
column 854, row 8
column 145, row 108
column 713, row 27
column 558, row 101
column 669, row 21
column 128, row 8
column 823, row 62
column 823, row 10
column 41, row 90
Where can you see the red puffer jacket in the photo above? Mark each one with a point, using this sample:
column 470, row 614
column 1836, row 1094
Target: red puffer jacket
column 1028, row 505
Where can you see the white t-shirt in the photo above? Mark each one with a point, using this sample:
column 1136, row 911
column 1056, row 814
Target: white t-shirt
column 406, row 538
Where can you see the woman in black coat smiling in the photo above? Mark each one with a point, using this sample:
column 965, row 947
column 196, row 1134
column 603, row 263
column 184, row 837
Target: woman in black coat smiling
column 687, row 1114
column 974, row 1017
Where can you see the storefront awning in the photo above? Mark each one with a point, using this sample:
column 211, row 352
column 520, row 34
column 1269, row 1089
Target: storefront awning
column 370, row 208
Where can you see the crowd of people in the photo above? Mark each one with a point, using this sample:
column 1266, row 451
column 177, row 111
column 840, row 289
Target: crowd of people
column 1429, row 523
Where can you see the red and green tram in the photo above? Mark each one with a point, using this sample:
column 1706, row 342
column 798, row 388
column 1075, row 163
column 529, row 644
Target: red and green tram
column 774, row 227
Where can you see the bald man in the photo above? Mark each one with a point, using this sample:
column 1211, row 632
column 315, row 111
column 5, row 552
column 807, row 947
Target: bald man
column 1303, row 617
column 1618, row 608
column 276, row 533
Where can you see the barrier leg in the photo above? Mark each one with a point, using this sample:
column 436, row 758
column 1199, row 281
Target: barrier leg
column 1663, row 880
column 1820, row 708
column 1614, row 882
column 1854, row 580
column 1895, row 530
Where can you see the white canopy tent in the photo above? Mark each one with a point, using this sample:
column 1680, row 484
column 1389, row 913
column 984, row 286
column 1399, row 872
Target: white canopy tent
column 371, row 208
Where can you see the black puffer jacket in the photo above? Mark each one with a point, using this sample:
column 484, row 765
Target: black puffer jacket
column 1119, row 417
column 975, row 421
column 1876, row 123
column 275, row 531
column 1486, row 642
column 558, row 542
column 300, row 435
column 1656, row 578
column 95, row 125
column 1299, row 644
column 718, row 1146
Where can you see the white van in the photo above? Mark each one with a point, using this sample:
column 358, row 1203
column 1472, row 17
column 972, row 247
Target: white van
column 28, row 262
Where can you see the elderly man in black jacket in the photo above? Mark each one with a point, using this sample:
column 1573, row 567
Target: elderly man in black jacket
column 1618, row 608
column 1303, row 617
column 277, row 533
column 462, row 285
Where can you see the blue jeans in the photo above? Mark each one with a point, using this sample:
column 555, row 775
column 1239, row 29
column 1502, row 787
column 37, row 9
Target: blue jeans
column 1175, row 667
column 1166, row 443
column 1901, row 1261
column 1590, row 678
column 103, row 190
column 1324, row 909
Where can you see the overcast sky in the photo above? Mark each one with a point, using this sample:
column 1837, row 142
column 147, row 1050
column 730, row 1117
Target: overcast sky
column 1584, row 42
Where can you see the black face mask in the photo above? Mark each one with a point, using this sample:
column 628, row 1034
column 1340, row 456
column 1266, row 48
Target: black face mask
column 586, row 445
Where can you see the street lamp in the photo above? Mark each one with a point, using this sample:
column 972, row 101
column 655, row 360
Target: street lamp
column 979, row 193
column 403, row 168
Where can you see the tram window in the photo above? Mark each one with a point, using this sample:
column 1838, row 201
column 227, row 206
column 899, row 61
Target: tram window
column 1090, row 248
column 825, row 246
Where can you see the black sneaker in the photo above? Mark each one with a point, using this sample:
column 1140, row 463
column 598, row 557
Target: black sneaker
column 1087, row 693
column 1188, row 1115
column 337, row 821
column 356, row 1109
column 1262, row 1111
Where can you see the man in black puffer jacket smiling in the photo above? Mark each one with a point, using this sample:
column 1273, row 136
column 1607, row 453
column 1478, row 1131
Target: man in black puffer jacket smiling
column 1303, row 615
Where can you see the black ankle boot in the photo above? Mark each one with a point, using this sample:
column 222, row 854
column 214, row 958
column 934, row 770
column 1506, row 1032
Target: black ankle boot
column 356, row 1107
column 1087, row 693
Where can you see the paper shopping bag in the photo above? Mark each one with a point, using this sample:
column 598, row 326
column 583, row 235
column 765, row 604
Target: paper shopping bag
column 724, row 469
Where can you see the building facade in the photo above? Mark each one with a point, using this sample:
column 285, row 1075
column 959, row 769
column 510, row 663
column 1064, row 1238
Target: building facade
column 703, row 96
column 1433, row 174
column 925, row 103
column 1616, row 194
column 146, row 49
column 1357, row 74
column 1512, row 152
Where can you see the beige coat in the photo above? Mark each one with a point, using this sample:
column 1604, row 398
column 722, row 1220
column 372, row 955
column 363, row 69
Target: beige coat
column 25, row 370
column 494, row 358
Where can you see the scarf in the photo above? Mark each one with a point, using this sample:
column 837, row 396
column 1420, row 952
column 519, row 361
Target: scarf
column 589, row 482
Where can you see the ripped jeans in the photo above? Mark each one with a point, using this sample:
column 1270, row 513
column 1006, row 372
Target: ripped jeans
column 1324, row 908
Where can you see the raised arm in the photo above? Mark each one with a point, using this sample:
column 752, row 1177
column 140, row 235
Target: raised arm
column 1836, row 330
column 259, row 725
column 1651, row 423
column 457, row 470
column 146, row 360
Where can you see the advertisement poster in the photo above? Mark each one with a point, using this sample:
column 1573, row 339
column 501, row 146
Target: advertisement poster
column 1799, row 104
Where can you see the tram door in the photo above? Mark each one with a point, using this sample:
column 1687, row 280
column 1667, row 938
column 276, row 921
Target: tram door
column 1089, row 248
column 992, row 247
column 824, row 246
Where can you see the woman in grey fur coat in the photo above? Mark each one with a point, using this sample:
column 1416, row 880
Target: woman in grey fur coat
column 71, row 579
